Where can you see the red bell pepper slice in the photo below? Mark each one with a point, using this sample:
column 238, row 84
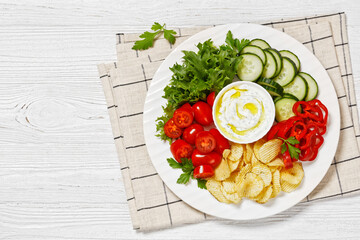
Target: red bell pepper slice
column 298, row 130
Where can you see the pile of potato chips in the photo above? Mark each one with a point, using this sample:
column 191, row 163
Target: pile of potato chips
column 255, row 171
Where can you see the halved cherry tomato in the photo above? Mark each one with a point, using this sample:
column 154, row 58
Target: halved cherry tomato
column 189, row 134
column 203, row 171
column 205, row 142
column 287, row 159
column 181, row 149
column 213, row 159
column 221, row 142
column 187, row 107
column 183, row 118
column 203, row 113
column 171, row 130
column 210, row 99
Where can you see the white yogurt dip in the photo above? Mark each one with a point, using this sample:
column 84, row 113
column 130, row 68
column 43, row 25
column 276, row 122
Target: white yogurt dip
column 243, row 112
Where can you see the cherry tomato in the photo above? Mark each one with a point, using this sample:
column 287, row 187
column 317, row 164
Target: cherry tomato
column 181, row 149
column 205, row 142
column 171, row 130
column 221, row 142
column 287, row 159
column 213, row 159
column 210, row 99
column 203, row 171
column 189, row 134
column 183, row 118
column 188, row 107
column 203, row 113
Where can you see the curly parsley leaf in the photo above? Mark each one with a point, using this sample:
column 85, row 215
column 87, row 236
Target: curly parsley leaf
column 184, row 178
column 201, row 183
column 288, row 144
column 157, row 26
column 188, row 169
column 173, row 163
column 148, row 38
column 169, row 35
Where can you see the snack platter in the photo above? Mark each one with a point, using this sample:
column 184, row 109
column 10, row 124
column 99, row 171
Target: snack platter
column 256, row 176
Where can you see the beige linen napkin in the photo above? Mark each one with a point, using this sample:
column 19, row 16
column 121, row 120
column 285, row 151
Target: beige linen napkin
column 152, row 205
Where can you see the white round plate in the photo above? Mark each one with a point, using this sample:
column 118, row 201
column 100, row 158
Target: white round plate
column 201, row 199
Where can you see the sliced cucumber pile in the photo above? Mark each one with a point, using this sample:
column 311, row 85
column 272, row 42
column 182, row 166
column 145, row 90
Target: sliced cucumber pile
column 279, row 73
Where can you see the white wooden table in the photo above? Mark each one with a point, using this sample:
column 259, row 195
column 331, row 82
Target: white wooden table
column 59, row 173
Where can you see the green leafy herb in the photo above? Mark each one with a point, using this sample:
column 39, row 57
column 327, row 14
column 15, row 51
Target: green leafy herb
column 188, row 169
column 201, row 183
column 209, row 69
column 150, row 37
column 289, row 144
column 173, row 163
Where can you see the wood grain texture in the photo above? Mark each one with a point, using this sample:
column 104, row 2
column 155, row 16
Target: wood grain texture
column 59, row 173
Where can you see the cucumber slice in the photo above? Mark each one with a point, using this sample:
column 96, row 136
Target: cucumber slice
column 283, row 109
column 286, row 95
column 289, row 95
column 255, row 50
column 250, row 67
column 270, row 65
column 270, row 83
column 260, row 43
column 292, row 56
column 312, row 86
column 278, row 59
column 298, row 87
column 273, row 91
column 287, row 73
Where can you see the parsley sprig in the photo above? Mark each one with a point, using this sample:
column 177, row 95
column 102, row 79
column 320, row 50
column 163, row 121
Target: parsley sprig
column 188, row 168
column 288, row 144
column 150, row 37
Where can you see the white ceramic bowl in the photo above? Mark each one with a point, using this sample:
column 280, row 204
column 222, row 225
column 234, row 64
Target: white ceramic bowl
column 270, row 112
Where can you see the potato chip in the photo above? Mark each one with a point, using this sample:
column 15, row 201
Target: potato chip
column 254, row 160
column 232, row 197
column 277, row 162
column 288, row 187
column 248, row 153
column 236, row 152
column 214, row 187
column 233, row 165
column 229, row 186
column 257, row 146
column 222, row 171
column 264, row 172
column 241, row 176
column 270, row 150
column 265, row 195
column 273, row 169
column 251, row 186
column 292, row 175
column 276, row 183
column 226, row 153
